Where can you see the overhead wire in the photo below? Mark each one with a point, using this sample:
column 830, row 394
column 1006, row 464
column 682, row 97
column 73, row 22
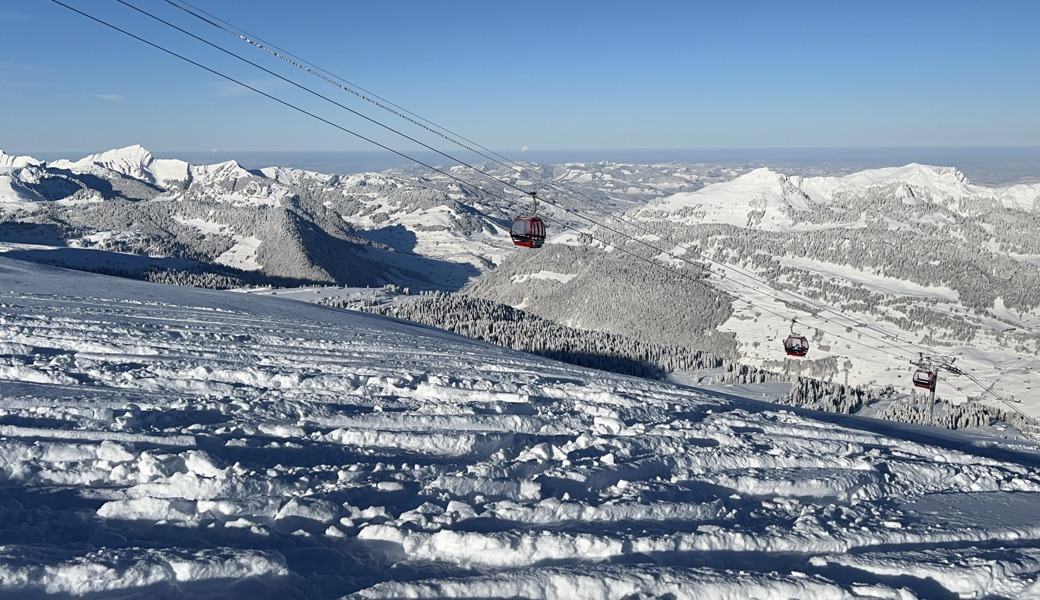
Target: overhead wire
column 295, row 84
column 371, row 97
column 313, row 93
column 340, row 82
column 367, row 118
column 455, row 159
column 272, row 97
column 743, row 272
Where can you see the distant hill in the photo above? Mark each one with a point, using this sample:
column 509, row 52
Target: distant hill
column 237, row 226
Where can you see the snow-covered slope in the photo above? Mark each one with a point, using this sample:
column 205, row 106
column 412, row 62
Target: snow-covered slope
column 172, row 442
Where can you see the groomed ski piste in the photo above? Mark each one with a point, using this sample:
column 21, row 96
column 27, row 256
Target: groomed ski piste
column 167, row 442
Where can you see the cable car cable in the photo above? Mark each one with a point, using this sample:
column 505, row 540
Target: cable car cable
column 452, row 158
column 337, row 81
column 454, row 177
column 312, row 92
column 326, row 121
column 391, row 129
column 268, row 71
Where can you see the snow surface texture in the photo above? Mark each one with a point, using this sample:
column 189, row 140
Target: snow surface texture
column 173, row 442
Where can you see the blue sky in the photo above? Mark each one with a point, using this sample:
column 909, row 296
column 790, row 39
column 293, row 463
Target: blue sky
column 539, row 74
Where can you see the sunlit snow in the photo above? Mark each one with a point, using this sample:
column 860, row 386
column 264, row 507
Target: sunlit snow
column 545, row 275
column 887, row 285
column 174, row 442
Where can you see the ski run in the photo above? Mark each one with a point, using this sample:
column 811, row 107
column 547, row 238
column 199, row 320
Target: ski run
column 169, row 442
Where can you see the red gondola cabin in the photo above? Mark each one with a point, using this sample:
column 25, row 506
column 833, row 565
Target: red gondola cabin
column 528, row 232
column 796, row 345
column 924, row 379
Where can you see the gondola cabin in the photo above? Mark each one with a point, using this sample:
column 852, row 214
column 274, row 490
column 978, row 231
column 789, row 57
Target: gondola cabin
column 796, row 345
column 924, row 379
column 528, row 232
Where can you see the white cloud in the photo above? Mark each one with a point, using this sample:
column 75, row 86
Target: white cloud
column 109, row 97
column 524, row 149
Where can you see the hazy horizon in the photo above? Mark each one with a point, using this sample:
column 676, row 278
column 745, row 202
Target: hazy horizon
column 983, row 165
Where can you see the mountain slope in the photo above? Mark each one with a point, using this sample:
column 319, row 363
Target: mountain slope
column 913, row 259
column 175, row 441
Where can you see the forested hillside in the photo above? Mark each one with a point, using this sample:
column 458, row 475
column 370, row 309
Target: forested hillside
column 506, row 326
column 586, row 287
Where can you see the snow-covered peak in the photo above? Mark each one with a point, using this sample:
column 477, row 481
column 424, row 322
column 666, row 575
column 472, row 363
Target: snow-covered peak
column 228, row 170
column 239, row 185
column 132, row 161
column 129, row 160
column 766, row 199
column 135, row 155
column 8, row 160
column 763, row 174
column 761, row 199
column 945, row 182
column 294, row 175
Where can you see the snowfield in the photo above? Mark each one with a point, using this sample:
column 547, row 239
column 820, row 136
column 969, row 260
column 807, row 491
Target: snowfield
column 174, row 442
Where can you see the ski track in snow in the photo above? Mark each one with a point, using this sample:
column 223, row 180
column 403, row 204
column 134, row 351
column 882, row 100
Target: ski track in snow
column 171, row 442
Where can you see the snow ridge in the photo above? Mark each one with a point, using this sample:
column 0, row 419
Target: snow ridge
column 7, row 160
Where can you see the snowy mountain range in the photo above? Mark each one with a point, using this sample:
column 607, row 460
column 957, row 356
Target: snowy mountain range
column 283, row 225
column 875, row 266
column 172, row 442
column 228, row 224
